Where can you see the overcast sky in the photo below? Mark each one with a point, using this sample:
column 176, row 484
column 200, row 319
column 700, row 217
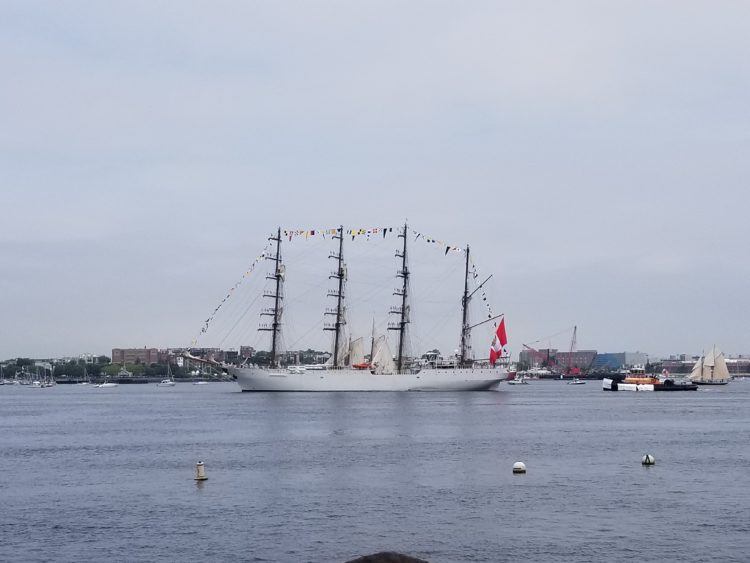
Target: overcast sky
column 594, row 154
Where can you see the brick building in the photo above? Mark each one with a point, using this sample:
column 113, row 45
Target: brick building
column 145, row 356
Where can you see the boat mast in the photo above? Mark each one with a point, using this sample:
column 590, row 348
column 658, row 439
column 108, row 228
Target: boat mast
column 403, row 311
column 465, row 329
column 275, row 312
column 339, row 274
column 372, row 342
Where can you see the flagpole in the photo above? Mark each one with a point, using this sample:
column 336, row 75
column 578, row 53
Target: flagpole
column 486, row 321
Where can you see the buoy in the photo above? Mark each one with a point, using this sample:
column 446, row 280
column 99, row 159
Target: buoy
column 519, row 467
column 648, row 459
column 200, row 472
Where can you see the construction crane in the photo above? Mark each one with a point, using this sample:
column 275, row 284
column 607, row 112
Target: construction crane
column 573, row 370
column 559, row 368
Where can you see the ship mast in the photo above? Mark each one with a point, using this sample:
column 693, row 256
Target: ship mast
column 465, row 328
column 372, row 342
column 402, row 311
column 340, row 275
column 276, row 311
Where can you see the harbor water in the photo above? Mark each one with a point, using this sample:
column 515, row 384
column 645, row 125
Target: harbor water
column 108, row 474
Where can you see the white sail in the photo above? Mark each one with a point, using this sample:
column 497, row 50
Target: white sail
column 697, row 372
column 711, row 369
column 382, row 360
column 720, row 373
column 356, row 352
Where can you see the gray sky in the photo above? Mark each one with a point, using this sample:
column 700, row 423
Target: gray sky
column 594, row 154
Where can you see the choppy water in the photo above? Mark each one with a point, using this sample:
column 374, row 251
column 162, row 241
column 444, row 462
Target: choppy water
column 93, row 474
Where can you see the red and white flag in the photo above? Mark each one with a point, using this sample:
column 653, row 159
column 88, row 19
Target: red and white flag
column 498, row 343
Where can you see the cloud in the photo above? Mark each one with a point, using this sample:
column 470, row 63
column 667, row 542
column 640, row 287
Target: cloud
column 572, row 144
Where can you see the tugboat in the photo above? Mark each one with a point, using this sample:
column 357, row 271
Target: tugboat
column 637, row 380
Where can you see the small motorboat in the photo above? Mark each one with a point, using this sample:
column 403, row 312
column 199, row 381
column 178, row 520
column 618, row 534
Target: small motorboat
column 169, row 381
column 576, row 381
column 106, row 385
column 518, row 381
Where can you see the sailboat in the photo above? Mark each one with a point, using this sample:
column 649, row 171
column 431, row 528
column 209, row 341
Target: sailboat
column 169, row 381
column 711, row 369
column 86, row 378
column 346, row 369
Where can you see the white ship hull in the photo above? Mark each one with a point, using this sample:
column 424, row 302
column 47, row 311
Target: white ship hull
column 261, row 379
column 609, row 385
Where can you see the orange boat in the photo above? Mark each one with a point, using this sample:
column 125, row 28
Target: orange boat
column 642, row 379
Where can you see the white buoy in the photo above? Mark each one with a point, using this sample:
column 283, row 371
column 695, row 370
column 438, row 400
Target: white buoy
column 519, row 467
column 200, row 472
column 648, row 459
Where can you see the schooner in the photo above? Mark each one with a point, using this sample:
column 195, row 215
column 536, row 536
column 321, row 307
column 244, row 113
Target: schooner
column 711, row 369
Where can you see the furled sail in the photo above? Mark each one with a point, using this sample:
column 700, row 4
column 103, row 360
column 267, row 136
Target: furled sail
column 343, row 355
column 382, row 360
column 356, row 352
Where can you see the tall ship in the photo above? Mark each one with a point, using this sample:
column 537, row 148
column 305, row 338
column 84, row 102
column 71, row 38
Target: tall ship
column 348, row 368
column 711, row 369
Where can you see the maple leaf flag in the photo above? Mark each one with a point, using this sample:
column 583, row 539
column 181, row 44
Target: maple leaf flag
column 498, row 342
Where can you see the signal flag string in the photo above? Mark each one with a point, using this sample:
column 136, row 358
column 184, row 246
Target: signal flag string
column 355, row 233
column 262, row 256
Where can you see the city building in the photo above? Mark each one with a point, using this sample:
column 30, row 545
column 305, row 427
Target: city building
column 618, row 360
column 536, row 358
column 145, row 356
column 582, row 359
column 552, row 357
